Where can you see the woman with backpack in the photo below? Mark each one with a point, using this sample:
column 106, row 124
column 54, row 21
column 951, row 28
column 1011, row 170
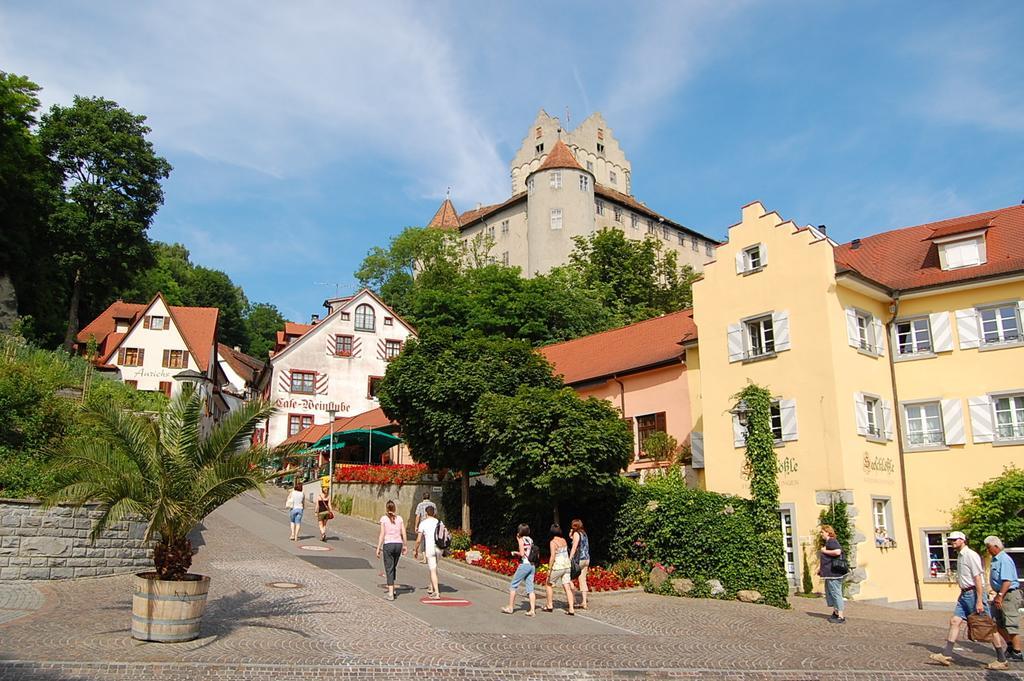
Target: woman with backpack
column 580, row 555
column 529, row 556
column 558, row 571
column 391, row 541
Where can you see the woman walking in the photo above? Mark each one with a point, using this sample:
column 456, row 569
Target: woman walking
column 524, row 572
column 831, row 550
column 295, row 503
column 391, row 542
column 580, row 552
column 558, row 571
column 324, row 511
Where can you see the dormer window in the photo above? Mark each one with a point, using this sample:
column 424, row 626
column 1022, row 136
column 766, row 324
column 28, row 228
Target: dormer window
column 959, row 248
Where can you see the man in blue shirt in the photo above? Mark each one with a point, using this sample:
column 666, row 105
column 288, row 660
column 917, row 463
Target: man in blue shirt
column 1006, row 603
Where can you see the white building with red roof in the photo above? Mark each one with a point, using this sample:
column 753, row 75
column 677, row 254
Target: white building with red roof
column 148, row 344
column 333, row 364
column 567, row 184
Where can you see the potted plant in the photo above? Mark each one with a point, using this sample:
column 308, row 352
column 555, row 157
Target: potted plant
column 172, row 471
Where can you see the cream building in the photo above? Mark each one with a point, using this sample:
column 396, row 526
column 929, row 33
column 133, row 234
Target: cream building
column 334, row 364
column 897, row 361
column 567, row 184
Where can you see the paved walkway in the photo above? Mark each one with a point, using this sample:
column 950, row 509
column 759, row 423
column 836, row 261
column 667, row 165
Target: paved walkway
column 338, row 625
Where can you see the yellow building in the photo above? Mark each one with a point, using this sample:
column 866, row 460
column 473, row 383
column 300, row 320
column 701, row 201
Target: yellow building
column 898, row 364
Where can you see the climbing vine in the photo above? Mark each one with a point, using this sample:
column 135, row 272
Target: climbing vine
column 761, row 468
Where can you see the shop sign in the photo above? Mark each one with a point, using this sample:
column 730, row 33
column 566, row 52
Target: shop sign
column 310, row 404
column 879, row 464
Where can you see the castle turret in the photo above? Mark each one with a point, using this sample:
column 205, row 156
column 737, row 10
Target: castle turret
column 560, row 206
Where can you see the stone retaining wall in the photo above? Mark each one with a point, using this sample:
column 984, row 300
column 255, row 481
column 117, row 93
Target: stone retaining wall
column 368, row 499
column 53, row 543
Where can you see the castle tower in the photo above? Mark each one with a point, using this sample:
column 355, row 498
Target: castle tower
column 560, row 206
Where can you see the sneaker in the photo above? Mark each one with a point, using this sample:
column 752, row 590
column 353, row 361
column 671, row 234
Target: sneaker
column 944, row 660
column 996, row 665
column 1014, row 655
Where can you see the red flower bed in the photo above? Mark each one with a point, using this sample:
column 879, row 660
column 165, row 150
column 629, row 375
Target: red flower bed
column 380, row 475
column 598, row 579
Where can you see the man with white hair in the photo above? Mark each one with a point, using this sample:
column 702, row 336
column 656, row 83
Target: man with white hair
column 970, row 578
column 1006, row 602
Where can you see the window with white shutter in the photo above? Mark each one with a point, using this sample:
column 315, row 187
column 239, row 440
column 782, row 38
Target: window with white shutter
column 874, row 416
column 942, row 332
column 913, row 337
column 923, row 422
column 864, row 331
column 751, row 259
column 1009, row 411
column 981, row 418
column 734, row 338
column 780, row 324
column 697, row 450
column 967, row 328
column 787, row 412
column 999, row 324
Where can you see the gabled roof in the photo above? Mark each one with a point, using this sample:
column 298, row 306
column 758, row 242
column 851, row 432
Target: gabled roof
column 446, row 216
column 628, row 349
column 308, row 330
column 482, row 212
column 560, row 157
column 634, row 205
column 246, row 366
column 374, row 418
column 197, row 326
column 906, row 259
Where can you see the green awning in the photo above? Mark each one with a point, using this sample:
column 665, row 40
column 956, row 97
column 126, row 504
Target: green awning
column 363, row 437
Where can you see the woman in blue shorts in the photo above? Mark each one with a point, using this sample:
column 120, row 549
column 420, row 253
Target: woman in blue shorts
column 524, row 573
column 294, row 504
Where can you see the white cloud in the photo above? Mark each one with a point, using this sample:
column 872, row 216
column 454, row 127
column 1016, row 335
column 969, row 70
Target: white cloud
column 280, row 89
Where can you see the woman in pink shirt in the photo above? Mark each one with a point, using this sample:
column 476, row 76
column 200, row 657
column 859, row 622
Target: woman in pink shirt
column 391, row 541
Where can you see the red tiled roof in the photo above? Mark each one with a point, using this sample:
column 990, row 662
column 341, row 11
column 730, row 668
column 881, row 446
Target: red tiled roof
column 446, row 217
column 246, row 366
column 631, row 203
column 906, row 258
column 296, row 329
column 484, row 211
column 374, row 418
column 623, row 350
column 560, row 157
column 197, row 325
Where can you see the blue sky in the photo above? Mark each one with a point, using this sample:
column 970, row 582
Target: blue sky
column 302, row 134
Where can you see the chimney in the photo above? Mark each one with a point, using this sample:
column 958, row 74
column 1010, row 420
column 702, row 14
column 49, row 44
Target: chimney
column 823, row 229
column 314, row 319
column 855, row 244
column 237, row 348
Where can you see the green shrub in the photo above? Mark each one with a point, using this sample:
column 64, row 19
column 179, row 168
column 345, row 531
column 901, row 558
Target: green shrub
column 627, row 568
column 996, row 507
column 808, row 583
column 836, row 515
column 461, row 541
column 342, row 504
column 703, row 535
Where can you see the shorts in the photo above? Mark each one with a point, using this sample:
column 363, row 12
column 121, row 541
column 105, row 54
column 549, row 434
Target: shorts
column 431, row 555
column 524, row 575
column 296, row 516
column 966, row 604
column 834, row 593
column 1008, row 616
column 559, row 576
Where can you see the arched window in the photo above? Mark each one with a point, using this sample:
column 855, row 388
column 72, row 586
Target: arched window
column 364, row 318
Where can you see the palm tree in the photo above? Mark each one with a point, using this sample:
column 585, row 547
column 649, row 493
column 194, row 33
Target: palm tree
column 165, row 470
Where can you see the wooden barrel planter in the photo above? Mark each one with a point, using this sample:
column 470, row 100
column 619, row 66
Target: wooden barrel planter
column 168, row 611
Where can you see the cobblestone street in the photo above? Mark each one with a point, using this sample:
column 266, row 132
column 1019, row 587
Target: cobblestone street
column 337, row 625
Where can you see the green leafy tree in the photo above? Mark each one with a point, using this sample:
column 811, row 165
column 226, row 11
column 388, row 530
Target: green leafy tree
column 213, row 288
column 996, row 507
column 168, row 275
column 432, row 256
column 433, row 387
column 28, row 189
column 166, row 471
column 762, row 469
column 262, row 321
column 545, row 446
column 636, row 279
column 111, row 177
column 661, row 447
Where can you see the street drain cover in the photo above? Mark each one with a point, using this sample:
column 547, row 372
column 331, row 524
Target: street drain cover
column 284, row 585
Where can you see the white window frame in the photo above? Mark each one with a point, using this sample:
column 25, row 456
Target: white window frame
column 753, row 254
column 584, row 183
column 556, row 218
column 998, row 319
column 763, row 335
column 874, row 414
column 881, row 517
column 599, row 207
column 1015, row 427
column 530, row 184
column 775, row 415
column 914, row 344
column 947, row 561
column 789, row 543
column 956, row 247
column 504, row 226
column 612, row 177
column 937, row 436
column 163, row 325
column 556, row 179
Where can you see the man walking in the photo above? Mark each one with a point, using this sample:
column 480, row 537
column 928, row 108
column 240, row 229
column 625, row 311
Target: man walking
column 1006, row 603
column 969, row 576
column 421, row 513
column 425, row 533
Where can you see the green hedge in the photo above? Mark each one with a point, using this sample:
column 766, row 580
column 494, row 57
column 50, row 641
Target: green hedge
column 702, row 535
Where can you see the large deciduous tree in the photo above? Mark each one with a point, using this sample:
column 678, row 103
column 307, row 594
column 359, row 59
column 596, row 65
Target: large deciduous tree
column 112, row 190
column 545, row 446
column 263, row 321
column 996, row 507
column 433, row 387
